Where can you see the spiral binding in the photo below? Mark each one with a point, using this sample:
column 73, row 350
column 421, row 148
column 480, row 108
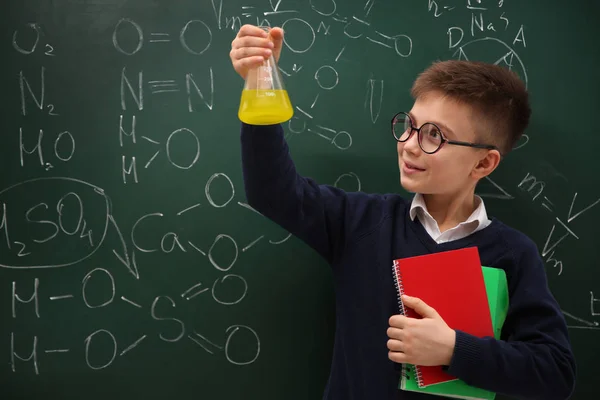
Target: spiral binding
column 418, row 376
column 399, row 286
column 405, row 371
column 400, row 292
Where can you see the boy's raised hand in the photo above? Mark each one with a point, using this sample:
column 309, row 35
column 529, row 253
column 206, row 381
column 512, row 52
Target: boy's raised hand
column 427, row 341
column 252, row 45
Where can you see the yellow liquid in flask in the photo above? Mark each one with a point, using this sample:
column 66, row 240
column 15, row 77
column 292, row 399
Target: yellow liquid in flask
column 265, row 106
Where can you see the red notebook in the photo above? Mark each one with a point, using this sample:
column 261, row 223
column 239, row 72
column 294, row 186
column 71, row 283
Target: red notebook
column 452, row 283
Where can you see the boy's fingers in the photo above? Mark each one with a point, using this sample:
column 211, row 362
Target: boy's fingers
column 245, row 52
column 398, row 321
column 249, row 62
column 395, row 345
column 398, row 357
column 395, row 333
column 252, row 45
column 251, row 30
column 252, row 41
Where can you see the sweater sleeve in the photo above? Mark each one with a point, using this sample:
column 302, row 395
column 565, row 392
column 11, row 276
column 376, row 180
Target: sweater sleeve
column 320, row 215
column 534, row 360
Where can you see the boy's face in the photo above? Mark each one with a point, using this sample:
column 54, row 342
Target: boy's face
column 449, row 170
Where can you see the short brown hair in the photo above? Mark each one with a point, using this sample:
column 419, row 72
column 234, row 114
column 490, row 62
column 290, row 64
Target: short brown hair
column 496, row 94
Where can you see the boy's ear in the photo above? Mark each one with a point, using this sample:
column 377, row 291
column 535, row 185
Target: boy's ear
column 487, row 164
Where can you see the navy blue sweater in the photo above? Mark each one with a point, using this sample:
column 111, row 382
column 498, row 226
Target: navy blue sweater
column 359, row 235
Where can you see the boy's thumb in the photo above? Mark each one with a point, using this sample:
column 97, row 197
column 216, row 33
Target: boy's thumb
column 277, row 36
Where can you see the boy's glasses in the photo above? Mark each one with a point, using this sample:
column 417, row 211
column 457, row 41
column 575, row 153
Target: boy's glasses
column 430, row 137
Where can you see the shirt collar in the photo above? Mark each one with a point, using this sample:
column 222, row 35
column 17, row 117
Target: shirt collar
column 479, row 215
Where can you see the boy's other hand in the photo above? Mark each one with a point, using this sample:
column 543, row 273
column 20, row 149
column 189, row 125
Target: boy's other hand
column 427, row 341
column 252, row 45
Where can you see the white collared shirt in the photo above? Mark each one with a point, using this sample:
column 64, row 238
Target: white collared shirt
column 476, row 221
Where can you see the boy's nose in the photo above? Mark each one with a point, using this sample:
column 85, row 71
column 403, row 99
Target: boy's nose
column 412, row 144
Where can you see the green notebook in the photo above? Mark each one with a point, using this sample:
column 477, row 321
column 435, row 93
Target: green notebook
column 496, row 287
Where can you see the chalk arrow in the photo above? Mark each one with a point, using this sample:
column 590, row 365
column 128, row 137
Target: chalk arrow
column 124, row 257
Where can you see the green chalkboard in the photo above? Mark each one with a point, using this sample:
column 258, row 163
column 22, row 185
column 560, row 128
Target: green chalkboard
column 130, row 265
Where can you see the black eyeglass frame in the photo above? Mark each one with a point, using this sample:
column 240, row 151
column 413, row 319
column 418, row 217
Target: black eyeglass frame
column 443, row 140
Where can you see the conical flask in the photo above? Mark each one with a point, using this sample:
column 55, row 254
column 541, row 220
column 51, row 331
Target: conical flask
column 265, row 100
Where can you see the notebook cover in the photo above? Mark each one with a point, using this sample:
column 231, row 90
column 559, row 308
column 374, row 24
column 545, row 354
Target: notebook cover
column 452, row 283
column 496, row 286
column 497, row 293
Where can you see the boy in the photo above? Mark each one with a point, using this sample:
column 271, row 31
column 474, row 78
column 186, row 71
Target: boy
column 466, row 116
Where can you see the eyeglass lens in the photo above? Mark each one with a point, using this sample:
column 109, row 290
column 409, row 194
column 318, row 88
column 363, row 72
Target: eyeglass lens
column 429, row 136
